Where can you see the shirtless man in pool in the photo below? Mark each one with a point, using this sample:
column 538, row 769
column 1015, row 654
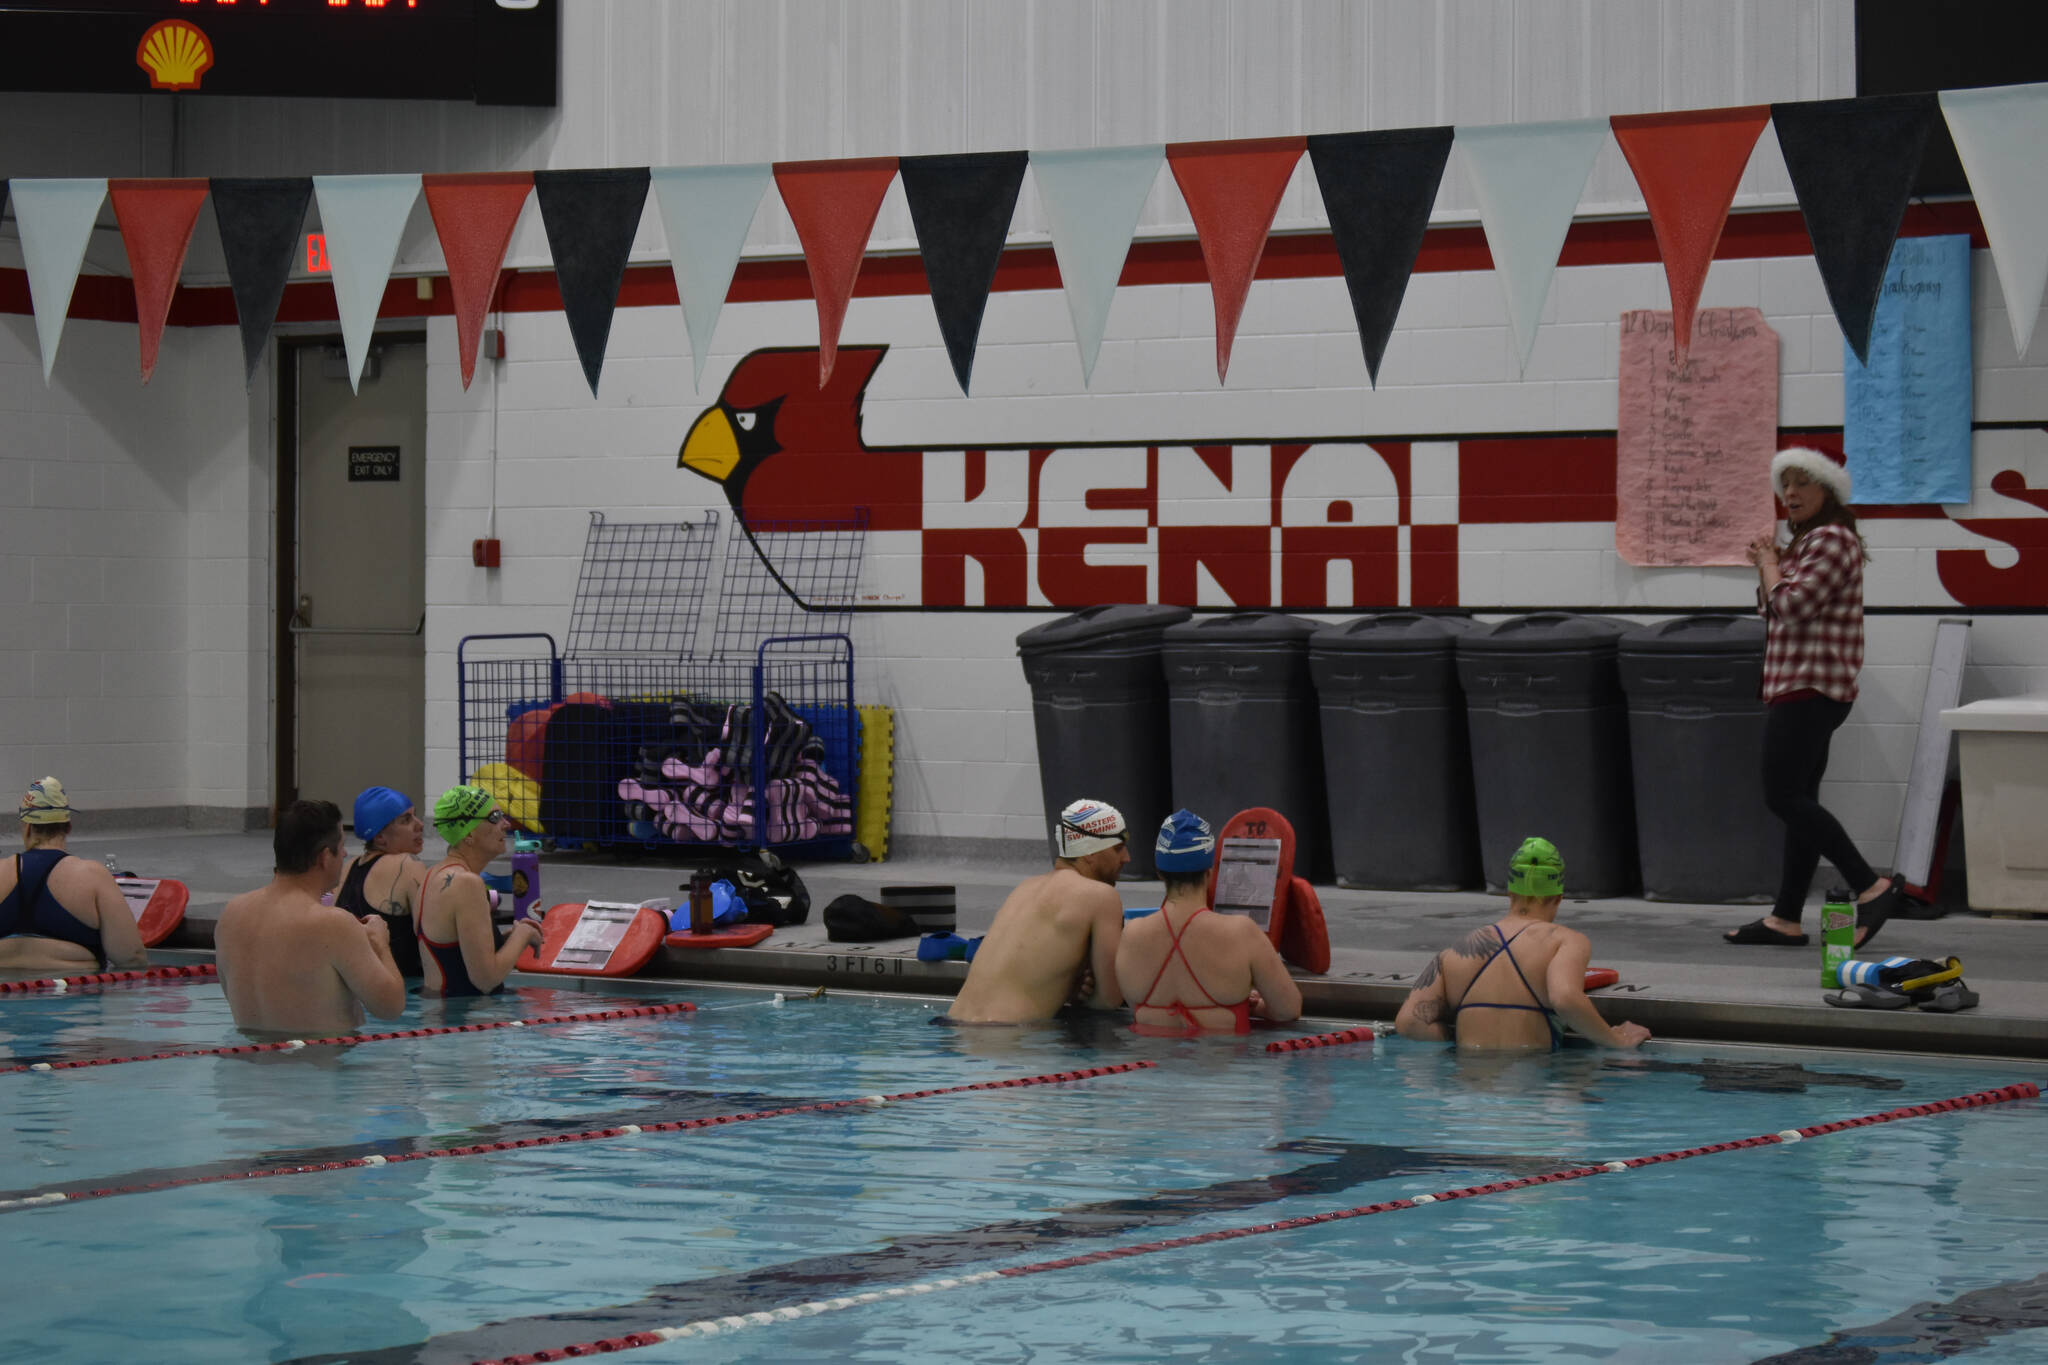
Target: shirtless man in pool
column 292, row 965
column 1055, row 931
column 1514, row 984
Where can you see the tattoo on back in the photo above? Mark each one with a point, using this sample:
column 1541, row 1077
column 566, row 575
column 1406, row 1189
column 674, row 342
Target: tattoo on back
column 447, row 879
column 1428, row 976
column 1478, row 943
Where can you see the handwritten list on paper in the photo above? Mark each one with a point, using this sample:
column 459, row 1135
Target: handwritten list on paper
column 1695, row 440
column 1906, row 415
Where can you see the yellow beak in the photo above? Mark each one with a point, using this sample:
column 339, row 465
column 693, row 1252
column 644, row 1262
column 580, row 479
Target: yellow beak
column 711, row 448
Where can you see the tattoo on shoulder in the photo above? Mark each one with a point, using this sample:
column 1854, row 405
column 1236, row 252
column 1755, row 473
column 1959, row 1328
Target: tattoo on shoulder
column 1427, row 1011
column 1427, row 978
column 1478, row 943
column 447, row 880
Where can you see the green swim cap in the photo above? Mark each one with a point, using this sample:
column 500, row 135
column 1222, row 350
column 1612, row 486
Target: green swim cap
column 459, row 810
column 1537, row 869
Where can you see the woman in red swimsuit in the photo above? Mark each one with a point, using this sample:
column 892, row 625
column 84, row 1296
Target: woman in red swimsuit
column 1208, row 973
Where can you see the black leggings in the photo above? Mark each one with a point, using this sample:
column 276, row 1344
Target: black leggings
column 1796, row 735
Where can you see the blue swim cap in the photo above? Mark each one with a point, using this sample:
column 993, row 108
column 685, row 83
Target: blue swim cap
column 1185, row 844
column 377, row 807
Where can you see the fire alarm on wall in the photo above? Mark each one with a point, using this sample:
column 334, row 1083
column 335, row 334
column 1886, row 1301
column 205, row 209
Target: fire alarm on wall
column 484, row 553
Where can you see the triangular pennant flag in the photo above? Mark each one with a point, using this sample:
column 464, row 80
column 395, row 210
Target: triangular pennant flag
column 1687, row 166
column 55, row 218
column 1853, row 163
column 363, row 218
column 591, row 219
column 1232, row 191
column 1092, row 200
column 1528, row 177
column 833, row 204
column 156, row 218
column 260, row 224
column 706, row 211
column 960, row 208
column 2000, row 134
column 1378, row 189
column 474, row 215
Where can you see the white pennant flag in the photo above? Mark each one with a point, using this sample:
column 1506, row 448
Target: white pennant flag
column 55, row 218
column 364, row 219
column 2000, row 134
column 1092, row 199
column 706, row 212
column 1529, row 177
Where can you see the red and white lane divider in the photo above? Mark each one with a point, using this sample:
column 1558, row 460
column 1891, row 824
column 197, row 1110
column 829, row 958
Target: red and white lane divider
column 294, row 1044
column 711, row 1327
column 590, row 1135
column 61, row 984
column 1364, row 1033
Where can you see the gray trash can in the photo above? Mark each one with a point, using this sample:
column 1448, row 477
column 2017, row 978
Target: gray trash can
column 1397, row 763
column 1696, row 731
column 1550, row 747
column 1244, row 725
column 1098, row 703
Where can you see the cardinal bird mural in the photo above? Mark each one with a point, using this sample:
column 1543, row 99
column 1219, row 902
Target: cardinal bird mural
column 1298, row 525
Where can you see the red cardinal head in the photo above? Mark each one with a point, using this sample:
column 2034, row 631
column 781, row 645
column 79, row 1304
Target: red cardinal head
column 772, row 403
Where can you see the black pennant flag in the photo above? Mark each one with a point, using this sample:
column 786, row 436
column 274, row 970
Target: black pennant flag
column 260, row 222
column 1853, row 163
column 591, row 218
column 960, row 207
column 1378, row 189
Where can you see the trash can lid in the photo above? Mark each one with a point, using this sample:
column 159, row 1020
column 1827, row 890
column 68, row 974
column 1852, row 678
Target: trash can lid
column 1391, row 632
column 1544, row 632
column 1243, row 628
column 1097, row 625
column 1715, row 634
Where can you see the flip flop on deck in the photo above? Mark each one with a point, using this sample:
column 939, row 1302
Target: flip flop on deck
column 1756, row 931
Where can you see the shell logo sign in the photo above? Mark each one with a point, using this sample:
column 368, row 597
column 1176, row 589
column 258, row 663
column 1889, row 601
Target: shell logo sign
column 175, row 54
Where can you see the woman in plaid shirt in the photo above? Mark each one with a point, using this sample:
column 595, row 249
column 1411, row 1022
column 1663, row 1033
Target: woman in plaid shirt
column 1811, row 597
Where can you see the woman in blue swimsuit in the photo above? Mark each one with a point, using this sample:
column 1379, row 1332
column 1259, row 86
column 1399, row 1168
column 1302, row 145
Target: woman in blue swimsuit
column 1516, row 983
column 59, row 913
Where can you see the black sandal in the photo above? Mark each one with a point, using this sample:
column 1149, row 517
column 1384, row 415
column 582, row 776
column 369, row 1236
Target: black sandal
column 1756, row 931
column 1877, row 910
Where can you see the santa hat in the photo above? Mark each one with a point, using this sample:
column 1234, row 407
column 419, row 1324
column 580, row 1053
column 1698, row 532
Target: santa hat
column 1829, row 471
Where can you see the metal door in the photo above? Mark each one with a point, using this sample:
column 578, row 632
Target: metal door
column 360, row 536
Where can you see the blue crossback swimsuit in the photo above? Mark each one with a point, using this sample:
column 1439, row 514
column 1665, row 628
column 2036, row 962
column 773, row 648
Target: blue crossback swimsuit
column 31, row 909
column 1538, row 1007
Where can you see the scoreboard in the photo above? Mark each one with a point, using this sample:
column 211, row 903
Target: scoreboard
column 489, row 51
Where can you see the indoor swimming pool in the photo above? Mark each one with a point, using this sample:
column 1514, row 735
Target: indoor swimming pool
column 145, row 1218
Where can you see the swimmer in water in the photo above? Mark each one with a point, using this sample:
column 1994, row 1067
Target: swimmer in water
column 60, row 913
column 386, row 879
column 1210, row 973
column 461, row 953
column 1514, row 984
column 1056, row 936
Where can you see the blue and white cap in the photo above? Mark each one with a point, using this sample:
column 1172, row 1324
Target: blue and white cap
column 1185, row 843
column 1087, row 827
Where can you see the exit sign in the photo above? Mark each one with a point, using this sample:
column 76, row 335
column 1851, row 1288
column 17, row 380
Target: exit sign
column 316, row 253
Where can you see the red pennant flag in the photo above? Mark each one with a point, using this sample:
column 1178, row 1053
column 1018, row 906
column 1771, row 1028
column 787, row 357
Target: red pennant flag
column 1687, row 165
column 156, row 218
column 474, row 215
column 833, row 204
column 1233, row 190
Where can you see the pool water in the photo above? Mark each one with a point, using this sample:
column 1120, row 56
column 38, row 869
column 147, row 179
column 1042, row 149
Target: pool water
column 1896, row 1236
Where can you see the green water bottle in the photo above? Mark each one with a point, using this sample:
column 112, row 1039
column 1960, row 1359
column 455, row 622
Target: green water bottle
column 1837, row 935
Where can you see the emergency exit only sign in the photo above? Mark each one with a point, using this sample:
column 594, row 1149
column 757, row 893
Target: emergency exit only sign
column 373, row 464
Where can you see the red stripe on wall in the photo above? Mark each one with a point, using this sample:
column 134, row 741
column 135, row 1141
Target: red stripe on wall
column 1306, row 255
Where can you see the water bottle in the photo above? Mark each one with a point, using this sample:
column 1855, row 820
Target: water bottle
column 700, row 901
column 1837, row 935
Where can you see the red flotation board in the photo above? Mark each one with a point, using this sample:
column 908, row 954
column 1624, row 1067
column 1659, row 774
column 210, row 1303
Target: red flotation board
column 1254, row 870
column 1304, row 937
column 1596, row 977
column 598, row 938
column 158, row 905
column 739, row 936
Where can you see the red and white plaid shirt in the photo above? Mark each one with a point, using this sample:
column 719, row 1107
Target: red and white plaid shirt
column 1814, row 617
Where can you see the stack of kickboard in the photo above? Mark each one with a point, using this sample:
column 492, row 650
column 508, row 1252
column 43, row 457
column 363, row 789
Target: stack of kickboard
column 699, row 787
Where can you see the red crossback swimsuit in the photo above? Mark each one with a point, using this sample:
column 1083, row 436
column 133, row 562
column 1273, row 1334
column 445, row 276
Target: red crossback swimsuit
column 1189, row 1026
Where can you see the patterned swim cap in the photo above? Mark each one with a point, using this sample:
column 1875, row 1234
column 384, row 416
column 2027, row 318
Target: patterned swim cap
column 1185, row 844
column 459, row 810
column 1537, row 869
column 44, row 803
column 1088, row 827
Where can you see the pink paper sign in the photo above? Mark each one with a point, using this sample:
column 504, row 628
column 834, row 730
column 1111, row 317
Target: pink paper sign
column 1693, row 466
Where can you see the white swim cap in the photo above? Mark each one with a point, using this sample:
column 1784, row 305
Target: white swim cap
column 1088, row 827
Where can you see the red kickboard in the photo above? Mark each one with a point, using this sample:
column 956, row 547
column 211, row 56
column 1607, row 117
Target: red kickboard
column 1596, row 977
column 158, row 905
column 739, row 936
column 1305, row 937
column 615, row 944
column 1254, row 869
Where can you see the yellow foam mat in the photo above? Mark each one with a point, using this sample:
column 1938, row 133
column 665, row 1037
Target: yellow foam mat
column 876, row 798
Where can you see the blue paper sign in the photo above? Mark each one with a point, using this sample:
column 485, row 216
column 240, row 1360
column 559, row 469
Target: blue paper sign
column 1906, row 424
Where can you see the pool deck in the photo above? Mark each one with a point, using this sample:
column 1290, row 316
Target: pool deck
column 1677, row 977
